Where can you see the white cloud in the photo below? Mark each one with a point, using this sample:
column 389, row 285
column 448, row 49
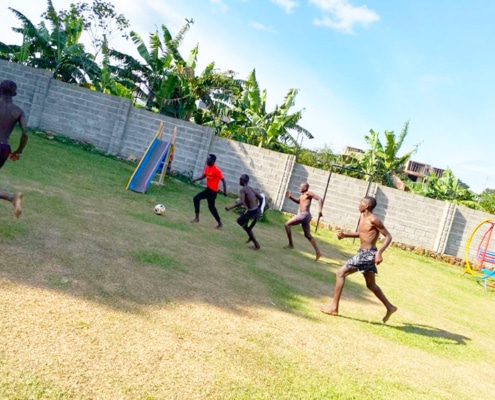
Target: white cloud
column 260, row 27
column 287, row 5
column 220, row 4
column 343, row 16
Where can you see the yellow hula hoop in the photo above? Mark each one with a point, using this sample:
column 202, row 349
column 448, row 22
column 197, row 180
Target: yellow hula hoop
column 468, row 268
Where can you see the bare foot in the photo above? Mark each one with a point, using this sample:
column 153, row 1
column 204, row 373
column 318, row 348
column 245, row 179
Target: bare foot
column 329, row 311
column 255, row 245
column 318, row 256
column 17, row 204
column 195, row 220
column 389, row 314
column 289, row 246
column 219, row 226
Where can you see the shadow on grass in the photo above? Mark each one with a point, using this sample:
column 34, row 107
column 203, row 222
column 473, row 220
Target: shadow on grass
column 421, row 330
column 432, row 332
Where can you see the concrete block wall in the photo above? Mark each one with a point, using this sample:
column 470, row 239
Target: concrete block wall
column 30, row 82
column 264, row 167
column 81, row 114
column 410, row 218
column 342, row 200
column 115, row 126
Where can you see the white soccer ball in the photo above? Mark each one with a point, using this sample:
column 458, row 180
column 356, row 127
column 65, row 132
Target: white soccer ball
column 159, row 209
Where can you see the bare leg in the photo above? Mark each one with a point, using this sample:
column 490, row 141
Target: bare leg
column 388, row 314
column 255, row 245
column 333, row 308
column 17, row 204
column 250, row 233
column 289, row 235
column 315, row 246
column 307, row 234
column 7, row 196
column 15, row 199
column 371, row 285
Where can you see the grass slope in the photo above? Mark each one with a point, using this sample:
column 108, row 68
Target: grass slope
column 102, row 299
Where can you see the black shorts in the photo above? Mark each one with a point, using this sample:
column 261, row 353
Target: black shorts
column 248, row 215
column 4, row 153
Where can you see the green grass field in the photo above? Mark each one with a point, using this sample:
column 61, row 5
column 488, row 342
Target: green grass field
column 102, row 299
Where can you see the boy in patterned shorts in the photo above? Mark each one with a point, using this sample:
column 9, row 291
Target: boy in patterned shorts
column 367, row 258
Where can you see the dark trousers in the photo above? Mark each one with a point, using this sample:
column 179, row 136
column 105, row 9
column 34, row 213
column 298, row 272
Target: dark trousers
column 210, row 197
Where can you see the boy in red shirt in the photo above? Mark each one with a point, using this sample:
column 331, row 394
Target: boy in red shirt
column 213, row 176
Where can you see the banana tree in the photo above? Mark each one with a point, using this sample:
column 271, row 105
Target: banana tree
column 56, row 49
column 248, row 121
column 382, row 161
column 447, row 187
column 158, row 78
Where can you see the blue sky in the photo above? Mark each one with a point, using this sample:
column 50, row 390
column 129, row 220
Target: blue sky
column 358, row 65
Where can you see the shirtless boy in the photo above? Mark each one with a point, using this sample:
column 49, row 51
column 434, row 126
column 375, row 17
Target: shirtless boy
column 252, row 200
column 366, row 259
column 303, row 216
column 10, row 115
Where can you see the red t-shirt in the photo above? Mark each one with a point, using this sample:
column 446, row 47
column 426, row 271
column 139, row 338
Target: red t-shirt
column 213, row 177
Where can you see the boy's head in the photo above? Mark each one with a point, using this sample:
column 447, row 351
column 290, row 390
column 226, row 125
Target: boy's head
column 211, row 159
column 8, row 88
column 304, row 187
column 244, row 179
column 371, row 202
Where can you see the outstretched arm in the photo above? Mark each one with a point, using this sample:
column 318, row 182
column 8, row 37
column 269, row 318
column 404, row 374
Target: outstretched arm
column 241, row 201
column 342, row 235
column 199, row 178
column 289, row 196
column 235, row 205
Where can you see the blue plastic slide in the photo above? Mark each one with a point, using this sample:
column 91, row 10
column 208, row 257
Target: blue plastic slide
column 148, row 166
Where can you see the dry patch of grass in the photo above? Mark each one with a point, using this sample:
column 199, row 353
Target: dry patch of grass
column 102, row 299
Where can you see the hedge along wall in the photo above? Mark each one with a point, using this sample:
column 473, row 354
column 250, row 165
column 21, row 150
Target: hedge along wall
column 115, row 126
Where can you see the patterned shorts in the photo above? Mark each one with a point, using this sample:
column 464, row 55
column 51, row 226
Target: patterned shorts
column 363, row 261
